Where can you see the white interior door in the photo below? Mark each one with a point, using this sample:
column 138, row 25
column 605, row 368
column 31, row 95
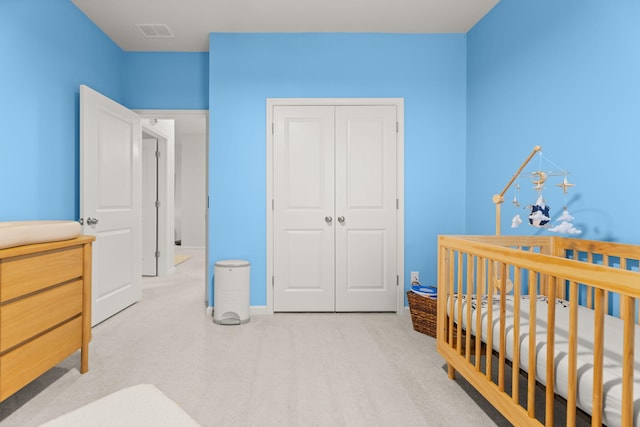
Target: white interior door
column 335, row 208
column 366, row 208
column 149, row 207
column 304, row 209
column 110, row 188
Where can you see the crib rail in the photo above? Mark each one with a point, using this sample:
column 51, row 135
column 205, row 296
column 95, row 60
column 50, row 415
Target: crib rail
column 601, row 276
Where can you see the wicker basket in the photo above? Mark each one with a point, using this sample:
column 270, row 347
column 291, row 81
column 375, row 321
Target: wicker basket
column 423, row 313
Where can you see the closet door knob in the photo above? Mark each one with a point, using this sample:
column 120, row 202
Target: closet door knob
column 92, row 221
column 328, row 219
column 341, row 219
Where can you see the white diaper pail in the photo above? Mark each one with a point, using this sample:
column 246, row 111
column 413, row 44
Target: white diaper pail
column 231, row 284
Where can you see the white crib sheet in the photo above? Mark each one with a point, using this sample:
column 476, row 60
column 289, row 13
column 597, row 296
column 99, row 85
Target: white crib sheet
column 613, row 340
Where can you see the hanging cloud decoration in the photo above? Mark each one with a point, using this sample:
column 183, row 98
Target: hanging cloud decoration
column 566, row 228
column 565, row 216
column 565, row 225
column 516, row 221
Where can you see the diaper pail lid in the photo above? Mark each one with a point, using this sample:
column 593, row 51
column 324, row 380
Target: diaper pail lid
column 231, row 263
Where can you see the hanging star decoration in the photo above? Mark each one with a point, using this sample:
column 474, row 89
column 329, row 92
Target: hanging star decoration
column 565, row 185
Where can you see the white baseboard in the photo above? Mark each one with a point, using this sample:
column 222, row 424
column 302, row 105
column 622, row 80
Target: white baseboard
column 262, row 309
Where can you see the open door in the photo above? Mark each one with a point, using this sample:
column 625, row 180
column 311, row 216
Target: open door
column 110, row 200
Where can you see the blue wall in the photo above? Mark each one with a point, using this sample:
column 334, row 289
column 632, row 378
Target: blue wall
column 564, row 75
column 166, row 80
column 44, row 61
column 428, row 71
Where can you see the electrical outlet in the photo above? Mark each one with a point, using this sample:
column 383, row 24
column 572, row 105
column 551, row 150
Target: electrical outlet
column 415, row 277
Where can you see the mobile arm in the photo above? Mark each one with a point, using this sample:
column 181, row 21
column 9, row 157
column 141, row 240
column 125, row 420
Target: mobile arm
column 498, row 199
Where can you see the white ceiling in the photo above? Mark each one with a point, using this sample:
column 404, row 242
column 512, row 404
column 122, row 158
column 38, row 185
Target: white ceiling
column 191, row 21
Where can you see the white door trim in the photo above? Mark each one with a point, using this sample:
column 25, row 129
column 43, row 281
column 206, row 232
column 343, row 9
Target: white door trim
column 399, row 104
column 165, row 196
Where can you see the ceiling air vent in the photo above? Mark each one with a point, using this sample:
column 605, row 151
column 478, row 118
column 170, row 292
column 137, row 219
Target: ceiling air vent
column 155, row 30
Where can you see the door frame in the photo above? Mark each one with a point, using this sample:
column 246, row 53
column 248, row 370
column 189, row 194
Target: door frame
column 165, row 173
column 399, row 104
column 150, row 183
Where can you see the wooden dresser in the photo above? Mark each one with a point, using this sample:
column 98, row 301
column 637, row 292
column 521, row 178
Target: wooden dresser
column 45, row 309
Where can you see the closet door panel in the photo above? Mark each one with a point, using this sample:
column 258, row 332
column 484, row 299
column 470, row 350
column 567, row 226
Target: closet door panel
column 366, row 209
column 304, row 208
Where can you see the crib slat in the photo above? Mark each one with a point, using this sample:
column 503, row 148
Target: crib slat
column 515, row 379
column 605, row 262
column 481, row 286
column 531, row 375
column 623, row 266
column 489, row 359
column 451, row 293
column 470, row 280
column 573, row 353
column 598, row 352
column 446, row 268
column 459, row 313
column 550, row 368
column 503, row 312
column 589, row 288
column 627, row 361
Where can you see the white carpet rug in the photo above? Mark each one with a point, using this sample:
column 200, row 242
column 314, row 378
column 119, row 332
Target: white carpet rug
column 140, row 405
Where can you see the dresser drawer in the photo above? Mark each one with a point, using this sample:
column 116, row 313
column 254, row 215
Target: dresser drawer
column 29, row 273
column 20, row 366
column 24, row 318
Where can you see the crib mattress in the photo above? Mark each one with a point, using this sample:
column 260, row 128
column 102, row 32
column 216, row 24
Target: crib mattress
column 18, row 233
column 613, row 344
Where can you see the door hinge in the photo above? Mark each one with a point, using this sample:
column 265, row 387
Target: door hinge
column 273, row 127
column 397, row 127
column 273, row 204
column 397, row 280
column 157, row 154
column 157, row 254
column 273, row 281
column 157, row 203
column 397, row 204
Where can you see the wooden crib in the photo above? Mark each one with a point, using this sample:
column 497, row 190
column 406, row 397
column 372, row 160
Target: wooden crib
column 583, row 344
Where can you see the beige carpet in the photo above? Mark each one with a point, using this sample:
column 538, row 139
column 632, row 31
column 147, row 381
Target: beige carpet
column 279, row 370
column 140, row 405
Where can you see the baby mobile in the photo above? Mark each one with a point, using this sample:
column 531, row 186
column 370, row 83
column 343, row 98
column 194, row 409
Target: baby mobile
column 539, row 212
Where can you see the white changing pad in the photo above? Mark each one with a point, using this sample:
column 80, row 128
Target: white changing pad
column 18, row 233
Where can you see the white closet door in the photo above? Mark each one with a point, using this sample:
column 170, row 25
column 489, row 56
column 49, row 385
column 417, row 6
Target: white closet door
column 303, row 182
column 366, row 210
